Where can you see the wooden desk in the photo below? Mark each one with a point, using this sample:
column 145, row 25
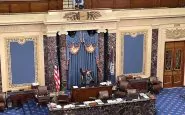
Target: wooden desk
column 139, row 107
column 139, row 84
column 19, row 97
column 84, row 94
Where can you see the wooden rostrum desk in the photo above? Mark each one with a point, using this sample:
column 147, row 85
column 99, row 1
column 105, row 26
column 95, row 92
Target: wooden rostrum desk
column 85, row 94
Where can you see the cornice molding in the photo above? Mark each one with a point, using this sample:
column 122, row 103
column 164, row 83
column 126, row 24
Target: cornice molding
column 52, row 29
column 53, row 21
column 22, row 28
column 56, row 17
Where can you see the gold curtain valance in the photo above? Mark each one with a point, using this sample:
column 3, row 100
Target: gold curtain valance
column 74, row 48
column 90, row 48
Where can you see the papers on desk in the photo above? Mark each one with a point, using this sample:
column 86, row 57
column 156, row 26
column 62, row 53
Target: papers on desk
column 106, row 83
column 87, row 103
column 54, row 106
column 82, row 105
column 75, row 87
column 69, row 106
column 59, row 106
column 103, row 83
column 111, row 101
column 118, row 100
column 144, row 95
column 99, row 102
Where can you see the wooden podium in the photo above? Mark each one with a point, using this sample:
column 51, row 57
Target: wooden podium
column 84, row 94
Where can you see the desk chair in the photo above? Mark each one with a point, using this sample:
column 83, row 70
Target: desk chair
column 42, row 95
column 154, row 85
column 2, row 101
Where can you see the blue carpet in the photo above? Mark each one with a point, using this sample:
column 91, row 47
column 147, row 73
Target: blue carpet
column 168, row 102
column 29, row 108
column 171, row 102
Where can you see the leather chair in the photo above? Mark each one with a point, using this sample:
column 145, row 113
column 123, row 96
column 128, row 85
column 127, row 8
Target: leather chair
column 2, row 101
column 123, row 83
column 42, row 95
column 122, row 86
column 154, row 85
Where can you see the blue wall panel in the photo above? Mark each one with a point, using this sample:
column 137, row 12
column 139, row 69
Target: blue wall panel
column 133, row 54
column 22, row 62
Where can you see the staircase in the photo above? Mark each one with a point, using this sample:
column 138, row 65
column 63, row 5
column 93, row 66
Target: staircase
column 68, row 4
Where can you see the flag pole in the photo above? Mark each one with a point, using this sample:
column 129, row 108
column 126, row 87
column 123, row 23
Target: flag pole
column 58, row 57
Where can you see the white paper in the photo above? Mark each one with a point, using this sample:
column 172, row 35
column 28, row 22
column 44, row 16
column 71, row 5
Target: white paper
column 75, row 87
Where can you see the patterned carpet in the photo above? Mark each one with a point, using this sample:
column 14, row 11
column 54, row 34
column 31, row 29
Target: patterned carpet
column 168, row 102
column 171, row 102
column 29, row 108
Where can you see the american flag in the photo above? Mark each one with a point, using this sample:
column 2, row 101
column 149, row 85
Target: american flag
column 57, row 78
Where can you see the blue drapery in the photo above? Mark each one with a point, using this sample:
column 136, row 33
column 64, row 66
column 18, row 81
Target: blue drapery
column 80, row 57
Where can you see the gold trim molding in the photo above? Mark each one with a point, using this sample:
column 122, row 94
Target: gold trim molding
column 21, row 40
column 175, row 33
column 134, row 34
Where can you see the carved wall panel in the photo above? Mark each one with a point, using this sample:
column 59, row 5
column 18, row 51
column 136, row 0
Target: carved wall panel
column 175, row 33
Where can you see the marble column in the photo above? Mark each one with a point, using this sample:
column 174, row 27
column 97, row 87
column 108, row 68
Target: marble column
column 154, row 52
column 49, row 61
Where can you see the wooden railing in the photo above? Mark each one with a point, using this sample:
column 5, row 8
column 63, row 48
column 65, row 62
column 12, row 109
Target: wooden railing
column 19, row 6
column 122, row 4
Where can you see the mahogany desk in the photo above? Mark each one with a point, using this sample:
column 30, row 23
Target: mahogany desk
column 19, row 97
column 84, row 94
column 139, row 107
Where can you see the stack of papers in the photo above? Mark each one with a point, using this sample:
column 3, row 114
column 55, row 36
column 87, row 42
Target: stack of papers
column 119, row 100
column 75, row 87
column 58, row 106
column 54, row 106
column 144, row 95
column 88, row 102
column 69, row 106
column 103, row 83
column 99, row 102
column 111, row 101
column 82, row 105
